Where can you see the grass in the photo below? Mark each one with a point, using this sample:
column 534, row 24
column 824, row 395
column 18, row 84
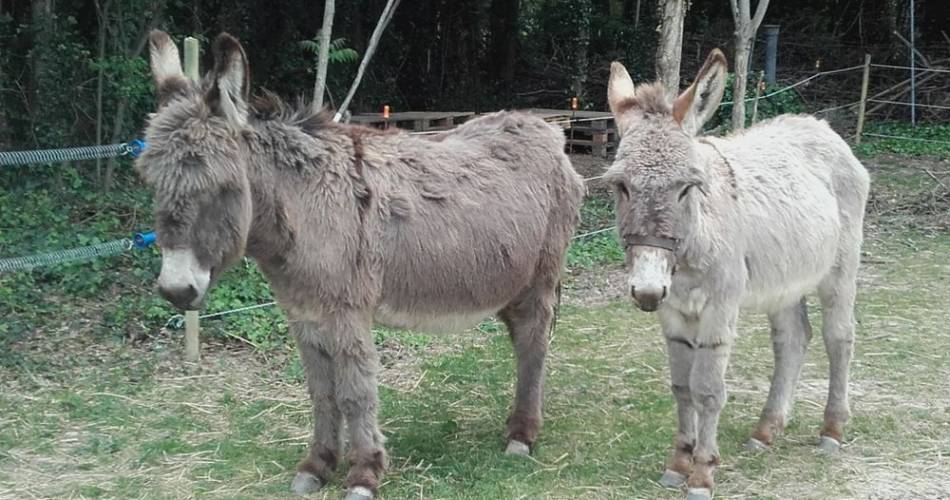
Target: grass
column 89, row 411
column 120, row 421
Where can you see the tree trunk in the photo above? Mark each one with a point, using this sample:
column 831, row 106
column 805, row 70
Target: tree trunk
column 101, row 13
column 503, row 26
column 746, row 26
column 117, row 128
column 41, row 17
column 320, row 84
column 118, row 122
column 740, row 83
column 669, row 48
column 582, row 41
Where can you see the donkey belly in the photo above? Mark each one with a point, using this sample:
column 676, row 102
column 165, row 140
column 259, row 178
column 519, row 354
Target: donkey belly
column 432, row 322
column 453, row 279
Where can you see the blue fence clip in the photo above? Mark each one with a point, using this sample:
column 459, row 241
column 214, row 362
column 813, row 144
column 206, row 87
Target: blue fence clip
column 135, row 147
column 143, row 240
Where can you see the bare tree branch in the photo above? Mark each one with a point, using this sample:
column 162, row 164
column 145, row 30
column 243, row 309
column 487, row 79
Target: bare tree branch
column 384, row 19
column 320, row 83
column 759, row 14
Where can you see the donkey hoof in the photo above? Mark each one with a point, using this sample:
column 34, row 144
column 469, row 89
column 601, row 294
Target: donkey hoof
column 358, row 493
column 829, row 445
column 699, row 494
column 305, row 483
column 754, row 445
column 516, row 447
column 672, row 479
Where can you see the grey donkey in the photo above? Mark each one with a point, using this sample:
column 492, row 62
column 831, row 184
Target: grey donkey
column 710, row 225
column 352, row 225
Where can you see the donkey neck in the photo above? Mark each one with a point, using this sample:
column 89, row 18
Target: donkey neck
column 302, row 187
column 715, row 217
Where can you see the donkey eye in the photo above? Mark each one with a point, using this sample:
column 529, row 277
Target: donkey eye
column 684, row 191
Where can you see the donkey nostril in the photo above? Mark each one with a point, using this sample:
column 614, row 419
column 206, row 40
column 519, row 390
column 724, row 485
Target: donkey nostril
column 633, row 291
column 663, row 296
column 180, row 297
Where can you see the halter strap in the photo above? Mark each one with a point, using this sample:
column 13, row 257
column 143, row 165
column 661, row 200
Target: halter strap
column 651, row 241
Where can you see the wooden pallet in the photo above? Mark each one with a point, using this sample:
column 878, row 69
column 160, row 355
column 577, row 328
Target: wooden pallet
column 596, row 131
column 417, row 121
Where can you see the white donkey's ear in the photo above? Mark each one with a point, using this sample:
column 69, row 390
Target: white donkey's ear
column 699, row 102
column 231, row 80
column 166, row 66
column 621, row 95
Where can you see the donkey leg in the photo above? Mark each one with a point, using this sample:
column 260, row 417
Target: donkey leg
column 791, row 333
column 681, row 463
column 707, row 387
column 314, row 470
column 528, row 321
column 355, row 365
column 837, row 293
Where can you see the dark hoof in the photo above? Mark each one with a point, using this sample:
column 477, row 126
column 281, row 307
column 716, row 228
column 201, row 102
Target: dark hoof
column 754, row 445
column 829, row 445
column 516, row 447
column 699, row 494
column 305, row 483
column 358, row 493
column 672, row 479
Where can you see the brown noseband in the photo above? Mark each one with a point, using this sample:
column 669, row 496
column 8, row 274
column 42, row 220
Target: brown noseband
column 651, row 241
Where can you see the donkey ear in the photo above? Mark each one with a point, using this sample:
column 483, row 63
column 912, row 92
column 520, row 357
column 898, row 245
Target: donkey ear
column 166, row 66
column 620, row 95
column 229, row 91
column 699, row 102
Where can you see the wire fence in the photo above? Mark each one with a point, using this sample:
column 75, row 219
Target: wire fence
column 797, row 84
column 79, row 254
column 90, row 252
column 142, row 240
column 919, row 69
column 49, row 156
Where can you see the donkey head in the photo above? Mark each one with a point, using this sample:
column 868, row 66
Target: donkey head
column 657, row 180
column 196, row 167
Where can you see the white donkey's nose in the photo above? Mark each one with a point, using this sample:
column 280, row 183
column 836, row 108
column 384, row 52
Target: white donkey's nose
column 183, row 281
column 650, row 276
column 648, row 299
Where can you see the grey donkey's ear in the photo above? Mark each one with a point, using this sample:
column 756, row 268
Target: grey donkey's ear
column 699, row 102
column 231, row 80
column 620, row 95
column 166, row 66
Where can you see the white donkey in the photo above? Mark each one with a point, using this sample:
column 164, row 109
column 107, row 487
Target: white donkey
column 754, row 220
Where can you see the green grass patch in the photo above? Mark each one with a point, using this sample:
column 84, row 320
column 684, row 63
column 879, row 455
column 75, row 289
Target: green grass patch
column 924, row 139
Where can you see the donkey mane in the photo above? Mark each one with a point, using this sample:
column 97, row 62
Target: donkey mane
column 650, row 99
column 269, row 107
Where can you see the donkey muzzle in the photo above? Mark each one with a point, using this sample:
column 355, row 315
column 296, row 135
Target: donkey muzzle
column 182, row 297
column 648, row 298
column 182, row 281
column 651, row 274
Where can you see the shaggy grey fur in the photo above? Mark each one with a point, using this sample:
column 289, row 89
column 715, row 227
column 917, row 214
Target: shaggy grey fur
column 756, row 220
column 352, row 225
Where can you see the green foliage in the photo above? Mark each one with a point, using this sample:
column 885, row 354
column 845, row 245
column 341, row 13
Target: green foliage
column 925, row 139
column 595, row 250
column 339, row 52
column 769, row 106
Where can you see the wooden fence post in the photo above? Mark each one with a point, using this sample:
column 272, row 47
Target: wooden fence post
column 862, row 105
column 192, row 352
